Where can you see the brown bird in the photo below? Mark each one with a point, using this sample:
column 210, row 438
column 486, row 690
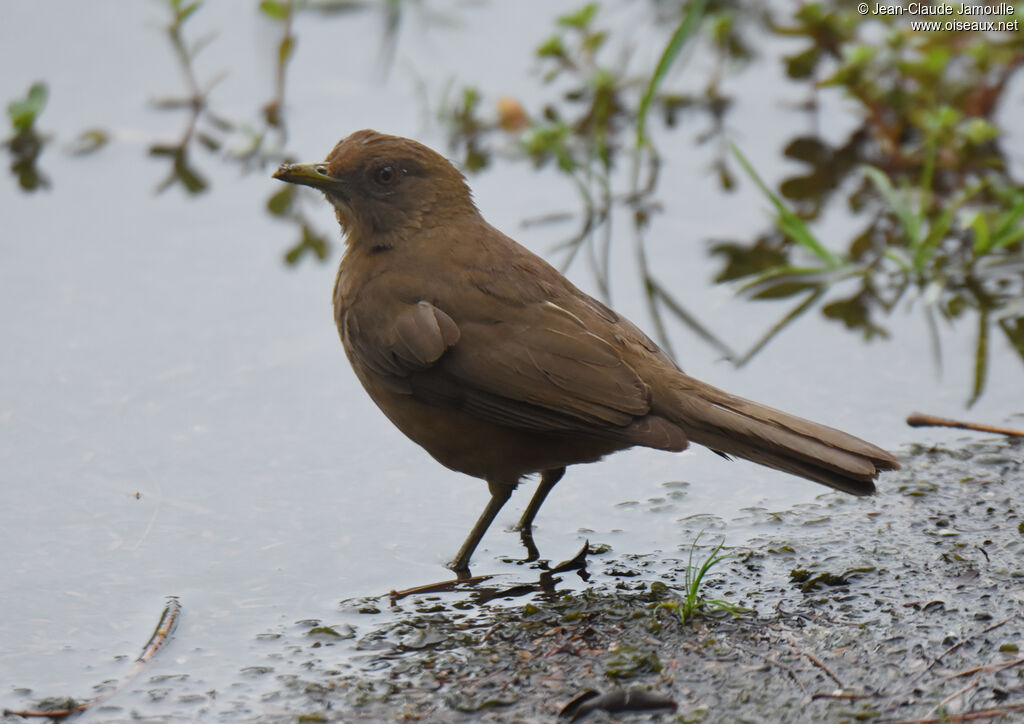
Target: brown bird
column 492, row 361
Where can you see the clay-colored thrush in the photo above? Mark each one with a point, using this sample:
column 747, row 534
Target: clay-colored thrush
column 493, row 362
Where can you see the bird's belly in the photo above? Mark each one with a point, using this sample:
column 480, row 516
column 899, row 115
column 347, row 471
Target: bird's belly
column 469, row 445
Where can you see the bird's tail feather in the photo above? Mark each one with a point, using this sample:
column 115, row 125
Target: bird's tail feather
column 736, row 426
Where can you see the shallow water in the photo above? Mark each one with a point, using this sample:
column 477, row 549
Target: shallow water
column 177, row 416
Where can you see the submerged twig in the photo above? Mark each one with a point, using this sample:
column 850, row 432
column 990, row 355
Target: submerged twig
column 814, row 660
column 164, row 628
column 439, row 587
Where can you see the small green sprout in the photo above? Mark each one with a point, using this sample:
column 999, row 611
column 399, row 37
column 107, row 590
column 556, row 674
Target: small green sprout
column 694, row 603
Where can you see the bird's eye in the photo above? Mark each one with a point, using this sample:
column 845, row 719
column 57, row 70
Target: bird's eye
column 385, row 175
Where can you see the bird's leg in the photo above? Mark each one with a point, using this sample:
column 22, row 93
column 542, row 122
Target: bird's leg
column 500, row 493
column 548, row 480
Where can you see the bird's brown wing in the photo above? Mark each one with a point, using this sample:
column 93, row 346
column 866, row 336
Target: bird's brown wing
column 549, row 379
column 416, row 337
column 560, row 370
column 543, row 371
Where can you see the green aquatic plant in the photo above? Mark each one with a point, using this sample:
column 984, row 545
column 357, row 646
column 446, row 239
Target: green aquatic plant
column 932, row 214
column 693, row 602
column 947, row 259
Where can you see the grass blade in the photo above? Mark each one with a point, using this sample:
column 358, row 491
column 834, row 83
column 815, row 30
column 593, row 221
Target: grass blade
column 693, row 602
column 900, row 206
column 659, row 292
column 683, row 31
column 788, row 222
column 940, row 228
column 1005, row 234
column 776, row 328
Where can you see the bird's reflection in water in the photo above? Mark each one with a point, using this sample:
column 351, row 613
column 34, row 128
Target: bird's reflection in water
column 545, row 584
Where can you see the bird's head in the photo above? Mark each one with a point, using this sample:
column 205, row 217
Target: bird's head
column 385, row 186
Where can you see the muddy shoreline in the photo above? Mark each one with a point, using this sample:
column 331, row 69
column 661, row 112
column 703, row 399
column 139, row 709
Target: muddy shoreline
column 903, row 607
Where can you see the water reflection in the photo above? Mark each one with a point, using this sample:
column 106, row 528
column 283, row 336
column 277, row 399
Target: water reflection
column 209, row 130
column 938, row 216
column 545, row 584
column 921, row 181
column 56, row 708
column 26, row 145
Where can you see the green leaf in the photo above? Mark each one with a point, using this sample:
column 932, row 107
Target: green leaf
column 274, row 10
column 802, row 64
column 856, row 61
column 184, row 12
column 311, row 242
column 159, row 149
column 941, row 119
column 581, row 18
column 23, row 113
column 978, row 131
column 982, row 239
column 280, row 202
column 284, row 50
column 593, row 41
column 855, row 313
column 209, row 142
column 551, row 48
column 470, row 99
column 193, row 182
column 542, row 142
column 89, row 141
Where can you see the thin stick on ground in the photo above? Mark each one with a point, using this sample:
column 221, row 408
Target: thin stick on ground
column 917, row 419
column 957, row 645
column 164, row 628
column 452, row 584
column 977, row 714
column 844, row 697
column 810, row 657
column 962, row 690
column 773, row 660
column 988, row 667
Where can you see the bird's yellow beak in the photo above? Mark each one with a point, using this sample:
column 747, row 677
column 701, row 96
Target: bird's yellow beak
column 306, row 174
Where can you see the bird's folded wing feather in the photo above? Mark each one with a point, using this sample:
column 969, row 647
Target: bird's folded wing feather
column 544, row 371
column 414, row 340
column 552, row 368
